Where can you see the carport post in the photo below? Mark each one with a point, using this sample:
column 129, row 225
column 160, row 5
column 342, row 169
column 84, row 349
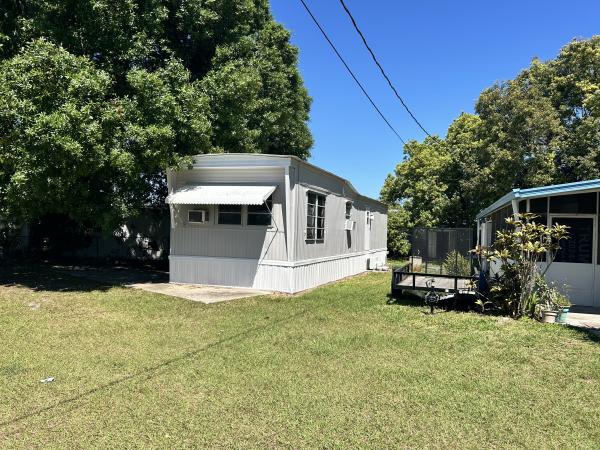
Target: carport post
column 515, row 207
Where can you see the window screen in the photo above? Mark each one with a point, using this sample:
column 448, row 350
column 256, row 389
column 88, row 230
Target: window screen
column 538, row 205
column 574, row 204
column 230, row 214
column 260, row 214
column 498, row 221
column 315, row 217
column 578, row 247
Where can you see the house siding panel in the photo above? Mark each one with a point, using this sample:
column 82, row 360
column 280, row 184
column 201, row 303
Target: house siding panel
column 337, row 240
column 228, row 241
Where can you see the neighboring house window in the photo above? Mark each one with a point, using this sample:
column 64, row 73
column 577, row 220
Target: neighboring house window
column 230, row 215
column 348, row 210
column 315, row 217
column 260, row 214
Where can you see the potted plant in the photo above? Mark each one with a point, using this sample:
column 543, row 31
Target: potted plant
column 552, row 304
column 562, row 305
column 548, row 315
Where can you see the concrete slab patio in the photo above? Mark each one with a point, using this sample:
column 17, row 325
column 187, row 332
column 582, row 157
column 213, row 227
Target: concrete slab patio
column 584, row 317
column 157, row 281
column 199, row 293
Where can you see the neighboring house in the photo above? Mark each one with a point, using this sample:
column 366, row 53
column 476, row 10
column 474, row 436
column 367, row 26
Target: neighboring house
column 577, row 264
column 270, row 222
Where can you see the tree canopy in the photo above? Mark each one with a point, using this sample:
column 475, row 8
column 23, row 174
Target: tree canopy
column 540, row 128
column 99, row 97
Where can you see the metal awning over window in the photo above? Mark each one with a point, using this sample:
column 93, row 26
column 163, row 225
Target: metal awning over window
column 220, row 195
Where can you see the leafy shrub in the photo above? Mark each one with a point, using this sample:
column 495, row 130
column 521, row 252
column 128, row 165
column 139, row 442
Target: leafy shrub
column 456, row 264
column 515, row 289
column 398, row 224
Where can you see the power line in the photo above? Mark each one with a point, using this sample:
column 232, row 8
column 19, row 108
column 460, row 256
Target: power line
column 381, row 68
column 350, row 70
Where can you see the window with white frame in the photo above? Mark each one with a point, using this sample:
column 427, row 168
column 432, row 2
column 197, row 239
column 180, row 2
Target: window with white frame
column 348, row 210
column 197, row 215
column 260, row 214
column 315, row 217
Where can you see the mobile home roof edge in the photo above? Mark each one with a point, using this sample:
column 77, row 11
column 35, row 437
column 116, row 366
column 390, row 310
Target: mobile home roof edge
column 540, row 192
column 290, row 158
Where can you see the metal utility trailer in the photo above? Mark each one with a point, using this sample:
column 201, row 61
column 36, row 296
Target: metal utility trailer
column 440, row 261
column 403, row 279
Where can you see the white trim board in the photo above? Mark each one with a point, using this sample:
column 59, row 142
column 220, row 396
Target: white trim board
column 268, row 262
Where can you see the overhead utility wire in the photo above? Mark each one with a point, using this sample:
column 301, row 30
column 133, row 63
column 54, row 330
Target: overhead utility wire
column 381, row 68
column 349, row 70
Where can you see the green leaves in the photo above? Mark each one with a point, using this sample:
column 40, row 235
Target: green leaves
column 519, row 251
column 540, row 128
column 257, row 98
column 398, row 226
column 98, row 98
column 70, row 145
column 420, row 182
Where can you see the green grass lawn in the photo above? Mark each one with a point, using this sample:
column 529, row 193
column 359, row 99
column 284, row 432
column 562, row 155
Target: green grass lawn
column 335, row 367
column 396, row 262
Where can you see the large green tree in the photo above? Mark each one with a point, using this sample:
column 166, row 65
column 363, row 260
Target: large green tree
column 99, row 97
column 540, row 128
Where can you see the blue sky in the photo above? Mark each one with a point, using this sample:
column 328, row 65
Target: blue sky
column 440, row 54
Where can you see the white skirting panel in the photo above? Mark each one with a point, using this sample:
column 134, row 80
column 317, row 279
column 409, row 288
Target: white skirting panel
column 270, row 275
column 313, row 274
column 239, row 272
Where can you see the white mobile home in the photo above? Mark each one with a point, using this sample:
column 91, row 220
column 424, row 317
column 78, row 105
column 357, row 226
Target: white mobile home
column 577, row 264
column 270, row 222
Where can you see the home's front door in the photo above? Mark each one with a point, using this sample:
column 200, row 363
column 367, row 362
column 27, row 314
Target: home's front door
column 368, row 230
column 575, row 266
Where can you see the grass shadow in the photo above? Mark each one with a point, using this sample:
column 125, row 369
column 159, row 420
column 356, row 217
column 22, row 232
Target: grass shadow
column 588, row 334
column 405, row 299
column 70, row 278
column 458, row 303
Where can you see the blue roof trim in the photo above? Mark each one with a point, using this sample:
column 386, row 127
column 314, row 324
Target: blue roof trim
column 541, row 191
column 498, row 204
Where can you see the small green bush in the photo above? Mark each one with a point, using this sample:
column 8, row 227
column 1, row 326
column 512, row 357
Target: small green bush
column 456, row 264
column 519, row 286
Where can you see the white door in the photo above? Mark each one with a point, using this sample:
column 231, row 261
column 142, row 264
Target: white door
column 575, row 265
column 368, row 230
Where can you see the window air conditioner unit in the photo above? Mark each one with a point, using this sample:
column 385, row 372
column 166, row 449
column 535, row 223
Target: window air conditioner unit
column 197, row 216
column 349, row 225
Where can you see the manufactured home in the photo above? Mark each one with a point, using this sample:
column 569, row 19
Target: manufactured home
column 270, row 222
column 577, row 263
